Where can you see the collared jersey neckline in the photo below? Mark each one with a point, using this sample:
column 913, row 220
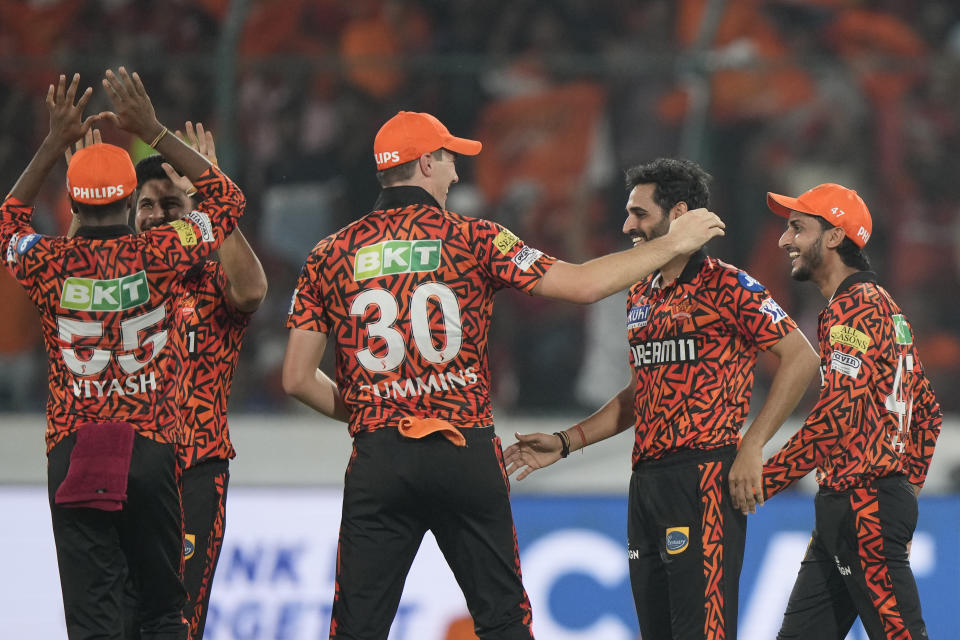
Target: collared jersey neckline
column 404, row 196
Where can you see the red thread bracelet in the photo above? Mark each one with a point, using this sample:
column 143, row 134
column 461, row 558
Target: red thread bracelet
column 583, row 438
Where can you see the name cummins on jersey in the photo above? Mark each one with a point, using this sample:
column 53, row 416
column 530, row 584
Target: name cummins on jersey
column 406, row 293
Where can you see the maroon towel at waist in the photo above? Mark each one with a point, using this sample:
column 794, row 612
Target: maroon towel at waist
column 99, row 467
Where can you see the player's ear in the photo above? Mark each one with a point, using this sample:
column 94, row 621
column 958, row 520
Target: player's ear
column 834, row 237
column 678, row 210
column 426, row 164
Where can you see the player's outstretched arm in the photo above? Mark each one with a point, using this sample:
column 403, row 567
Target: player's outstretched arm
column 302, row 378
column 67, row 125
column 538, row 450
column 601, row 277
column 797, row 367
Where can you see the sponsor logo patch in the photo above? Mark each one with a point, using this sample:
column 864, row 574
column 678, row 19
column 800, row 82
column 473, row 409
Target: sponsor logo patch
column 677, row 539
column 87, row 294
column 749, row 283
column 845, row 363
column 901, row 328
column 842, row 334
column 26, row 243
column 396, row 256
column 12, row 249
column 526, row 257
column 185, row 232
column 638, row 316
column 189, row 545
column 772, row 310
column 669, row 351
column 202, row 220
column 505, row 241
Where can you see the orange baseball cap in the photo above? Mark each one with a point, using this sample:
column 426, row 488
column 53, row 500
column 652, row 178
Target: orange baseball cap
column 409, row 134
column 100, row 174
column 836, row 204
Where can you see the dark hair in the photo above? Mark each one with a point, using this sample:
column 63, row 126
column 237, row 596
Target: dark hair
column 150, row 168
column 850, row 253
column 403, row 171
column 676, row 181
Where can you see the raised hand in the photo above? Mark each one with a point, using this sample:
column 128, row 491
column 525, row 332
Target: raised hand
column 202, row 142
column 133, row 110
column 695, row 228
column 200, row 139
column 91, row 137
column 67, row 124
column 531, row 452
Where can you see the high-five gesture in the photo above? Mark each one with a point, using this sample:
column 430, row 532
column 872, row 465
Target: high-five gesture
column 67, row 125
column 200, row 139
column 133, row 110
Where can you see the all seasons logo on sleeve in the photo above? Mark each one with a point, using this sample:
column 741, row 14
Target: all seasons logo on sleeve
column 396, row 256
column 88, row 294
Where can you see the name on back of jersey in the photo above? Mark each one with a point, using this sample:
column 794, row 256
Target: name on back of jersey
column 443, row 381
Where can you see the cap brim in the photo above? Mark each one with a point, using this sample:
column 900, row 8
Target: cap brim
column 783, row 205
column 463, row 146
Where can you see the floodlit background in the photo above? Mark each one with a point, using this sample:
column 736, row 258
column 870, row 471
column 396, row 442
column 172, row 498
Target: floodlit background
column 776, row 95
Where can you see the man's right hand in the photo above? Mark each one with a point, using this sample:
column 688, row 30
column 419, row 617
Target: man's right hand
column 694, row 229
column 531, row 452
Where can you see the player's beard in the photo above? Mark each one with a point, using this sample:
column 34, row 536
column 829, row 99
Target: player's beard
column 809, row 260
column 659, row 230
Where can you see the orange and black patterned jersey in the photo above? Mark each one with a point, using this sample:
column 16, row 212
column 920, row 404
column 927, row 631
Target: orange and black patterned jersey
column 693, row 345
column 877, row 414
column 209, row 334
column 107, row 300
column 406, row 293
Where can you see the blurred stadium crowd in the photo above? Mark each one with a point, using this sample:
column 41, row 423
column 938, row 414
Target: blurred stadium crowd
column 565, row 94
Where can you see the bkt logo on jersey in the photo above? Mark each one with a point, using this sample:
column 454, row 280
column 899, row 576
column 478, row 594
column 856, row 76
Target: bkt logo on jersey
column 638, row 316
column 396, row 256
column 87, row 294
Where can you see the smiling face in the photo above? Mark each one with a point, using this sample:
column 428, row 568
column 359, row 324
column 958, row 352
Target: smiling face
column 159, row 202
column 803, row 242
column 645, row 219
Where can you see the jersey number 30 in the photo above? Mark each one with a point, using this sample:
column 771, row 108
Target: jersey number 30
column 395, row 342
